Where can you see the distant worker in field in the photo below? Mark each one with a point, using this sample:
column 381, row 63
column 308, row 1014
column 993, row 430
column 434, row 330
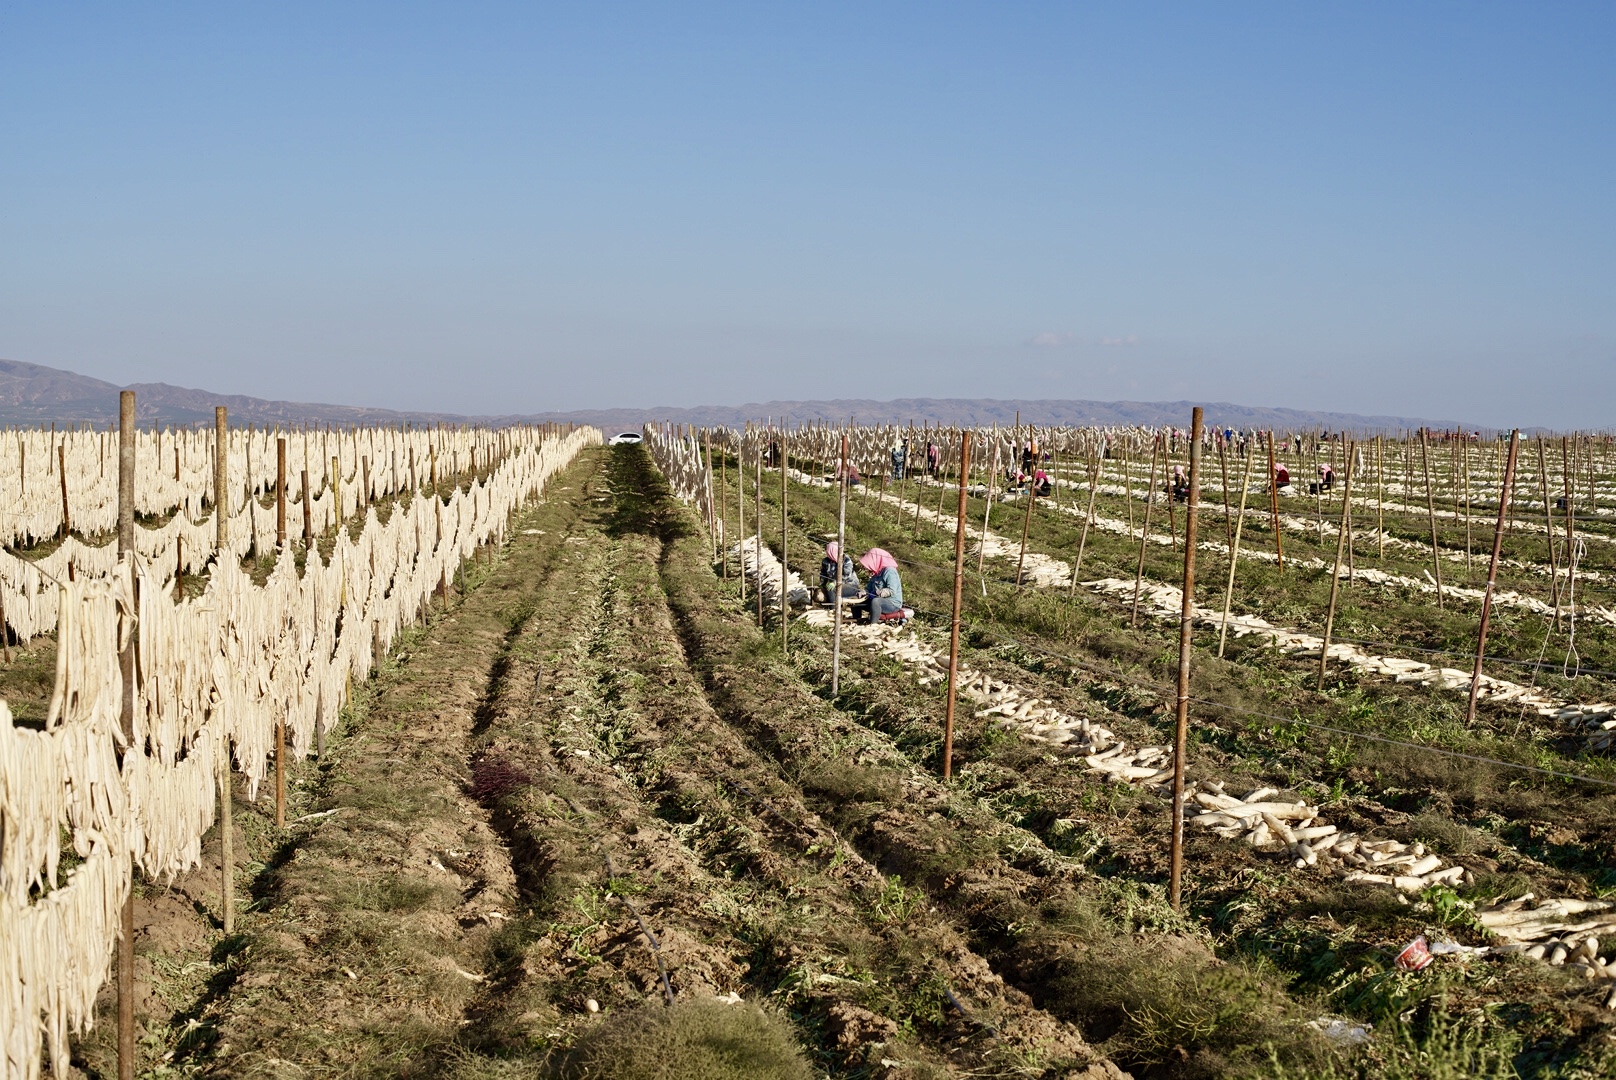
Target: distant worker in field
column 884, row 592
column 1179, row 485
column 1282, row 477
column 934, row 458
column 1041, row 485
column 850, row 474
column 899, row 456
column 1326, row 477
column 827, row 573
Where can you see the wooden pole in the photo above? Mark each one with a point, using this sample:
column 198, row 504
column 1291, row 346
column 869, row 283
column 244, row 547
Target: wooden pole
column 712, row 519
column 987, row 510
column 954, row 623
column 280, row 492
column 1234, row 554
column 1186, row 621
column 1273, row 501
column 841, row 553
column 126, row 665
column 757, row 497
column 1548, row 530
column 61, row 468
column 1026, row 524
column 1465, row 452
column 1430, row 509
column 1335, row 576
column 723, row 513
column 1088, row 519
column 1144, row 535
column 308, row 512
column 1380, row 497
column 740, row 505
column 785, row 529
column 1492, row 577
column 1571, row 536
column 1223, row 467
column 221, row 537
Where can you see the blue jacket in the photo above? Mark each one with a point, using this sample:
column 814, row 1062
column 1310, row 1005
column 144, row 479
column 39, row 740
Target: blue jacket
column 886, row 579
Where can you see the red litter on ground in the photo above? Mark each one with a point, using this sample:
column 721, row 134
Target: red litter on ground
column 1416, row 955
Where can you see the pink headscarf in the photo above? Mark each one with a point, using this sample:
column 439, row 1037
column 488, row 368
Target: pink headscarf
column 876, row 560
column 833, row 552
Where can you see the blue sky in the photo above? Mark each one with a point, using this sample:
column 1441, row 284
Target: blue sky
column 1384, row 208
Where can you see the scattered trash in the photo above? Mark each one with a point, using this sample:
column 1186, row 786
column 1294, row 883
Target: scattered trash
column 1416, row 955
column 1442, row 948
column 731, row 998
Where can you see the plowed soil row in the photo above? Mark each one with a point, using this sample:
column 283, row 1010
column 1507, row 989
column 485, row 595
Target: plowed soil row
column 552, row 807
column 1331, row 944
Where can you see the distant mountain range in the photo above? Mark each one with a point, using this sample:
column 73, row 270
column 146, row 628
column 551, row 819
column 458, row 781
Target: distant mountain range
column 34, row 395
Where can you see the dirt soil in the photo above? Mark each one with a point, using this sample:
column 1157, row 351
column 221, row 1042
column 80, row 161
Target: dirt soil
column 590, row 785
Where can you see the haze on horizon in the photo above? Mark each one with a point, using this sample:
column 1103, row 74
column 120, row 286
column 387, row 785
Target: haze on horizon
column 499, row 208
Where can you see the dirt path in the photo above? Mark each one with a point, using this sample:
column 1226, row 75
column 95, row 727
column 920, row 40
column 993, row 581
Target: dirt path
column 535, row 818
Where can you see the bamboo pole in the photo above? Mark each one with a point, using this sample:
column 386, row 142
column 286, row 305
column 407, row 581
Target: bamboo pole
column 1335, row 576
column 221, row 517
column 1234, row 555
column 1430, row 509
column 1186, row 621
column 126, row 666
column 954, row 623
column 1144, row 535
column 280, row 493
column 1492, row 577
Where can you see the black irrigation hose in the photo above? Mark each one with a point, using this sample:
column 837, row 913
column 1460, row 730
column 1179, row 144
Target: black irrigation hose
column 656, row 946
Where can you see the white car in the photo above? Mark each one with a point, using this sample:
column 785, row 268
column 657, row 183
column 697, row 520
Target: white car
column 627, row 438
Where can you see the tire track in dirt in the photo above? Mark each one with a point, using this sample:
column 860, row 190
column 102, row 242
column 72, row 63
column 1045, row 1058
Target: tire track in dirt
column 746, row 887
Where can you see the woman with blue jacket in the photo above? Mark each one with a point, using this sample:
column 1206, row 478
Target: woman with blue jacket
column 884, row 594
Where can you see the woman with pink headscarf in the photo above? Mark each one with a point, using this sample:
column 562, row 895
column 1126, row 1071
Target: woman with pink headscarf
column 827, row 573
column 884, row 594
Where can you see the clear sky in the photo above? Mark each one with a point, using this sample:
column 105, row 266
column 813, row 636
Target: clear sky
column 1385, row 208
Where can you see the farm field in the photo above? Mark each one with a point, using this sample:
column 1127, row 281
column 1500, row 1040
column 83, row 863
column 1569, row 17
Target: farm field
column 588, row 798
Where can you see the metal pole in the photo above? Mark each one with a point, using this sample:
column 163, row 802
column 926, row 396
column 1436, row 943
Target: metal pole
column 1185, row 622
column 954, row 626
column 1492, row 576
